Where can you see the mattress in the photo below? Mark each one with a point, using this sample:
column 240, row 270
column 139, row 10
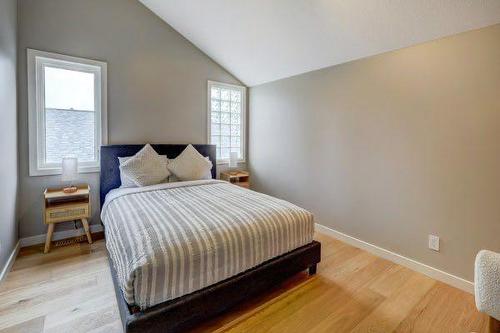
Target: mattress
column 169, row 240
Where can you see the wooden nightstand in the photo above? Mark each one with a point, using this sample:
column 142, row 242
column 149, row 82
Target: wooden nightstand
column 64, row 207
column 240, row 178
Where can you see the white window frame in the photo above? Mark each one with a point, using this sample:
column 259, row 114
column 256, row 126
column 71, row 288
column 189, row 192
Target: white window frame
column 36, row 108
column 243, row 120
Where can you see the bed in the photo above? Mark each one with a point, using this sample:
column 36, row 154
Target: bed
column 183, row 252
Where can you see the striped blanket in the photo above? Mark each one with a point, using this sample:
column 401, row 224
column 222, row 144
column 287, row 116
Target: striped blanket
column 168, row 240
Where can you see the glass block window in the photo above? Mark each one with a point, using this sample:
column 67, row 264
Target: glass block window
column 226, row 107
column 67, row 105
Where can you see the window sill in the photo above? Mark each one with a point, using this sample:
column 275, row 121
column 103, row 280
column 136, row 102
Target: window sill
column 222, row 162
column 58, row 171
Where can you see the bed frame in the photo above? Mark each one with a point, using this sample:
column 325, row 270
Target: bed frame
column 185, row 312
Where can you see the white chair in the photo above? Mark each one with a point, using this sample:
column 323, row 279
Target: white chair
column 487, row 287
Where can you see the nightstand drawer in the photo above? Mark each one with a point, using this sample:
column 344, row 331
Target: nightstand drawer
column 66, row 213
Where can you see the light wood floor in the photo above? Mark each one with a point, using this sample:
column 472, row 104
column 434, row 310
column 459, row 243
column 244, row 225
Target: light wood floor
column 70, row 290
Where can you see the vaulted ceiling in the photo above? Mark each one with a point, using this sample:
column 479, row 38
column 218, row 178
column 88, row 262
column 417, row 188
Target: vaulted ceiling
column 265, row 40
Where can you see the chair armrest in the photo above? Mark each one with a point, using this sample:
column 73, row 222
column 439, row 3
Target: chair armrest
column 487, row 283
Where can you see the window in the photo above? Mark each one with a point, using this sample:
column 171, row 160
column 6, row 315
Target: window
column 226, row 114
column 67, row 111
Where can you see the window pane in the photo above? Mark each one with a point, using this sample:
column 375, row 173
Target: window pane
column 236, row 107
column 225, row 94
column 215, row 93
column 215, row 117
column 225, row 141
column 235, row 141
column 235, row 130
column 69, row 133
column 215, row 130
column 235, row 118
column 68, row 89
column 224, row 152
column 215, row 105
column 224, row 106
column 225, row 118
column 215, row 140
column 224, row 129
column 235, row 96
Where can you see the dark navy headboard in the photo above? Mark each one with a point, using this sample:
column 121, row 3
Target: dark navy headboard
column 110, row 172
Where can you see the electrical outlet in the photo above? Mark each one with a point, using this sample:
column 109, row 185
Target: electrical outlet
column 434, row 242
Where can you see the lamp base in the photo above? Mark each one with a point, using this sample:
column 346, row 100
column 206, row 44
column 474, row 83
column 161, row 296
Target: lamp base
column 71, row 189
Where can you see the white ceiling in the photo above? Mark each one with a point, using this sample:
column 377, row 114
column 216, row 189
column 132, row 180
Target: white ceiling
column 265, row 40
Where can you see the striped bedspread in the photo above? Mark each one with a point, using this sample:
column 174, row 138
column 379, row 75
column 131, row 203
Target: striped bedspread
column 168, row 240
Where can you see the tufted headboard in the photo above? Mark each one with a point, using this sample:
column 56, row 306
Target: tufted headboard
column 110, row 172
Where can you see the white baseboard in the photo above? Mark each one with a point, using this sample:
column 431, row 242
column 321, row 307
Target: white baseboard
column 40, row 239
column 10, row 261
column 432, row 272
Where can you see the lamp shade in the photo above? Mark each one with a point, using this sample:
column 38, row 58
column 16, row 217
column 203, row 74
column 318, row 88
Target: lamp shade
column 233, row 159
column 69, row 169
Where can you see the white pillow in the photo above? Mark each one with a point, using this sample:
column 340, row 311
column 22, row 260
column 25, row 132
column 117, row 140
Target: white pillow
column 190, row 165
column 146, row 167
column 172, row 178
column 126, row 181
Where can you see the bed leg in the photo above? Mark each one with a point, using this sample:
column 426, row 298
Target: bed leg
column 312, row 269
column 493, row 325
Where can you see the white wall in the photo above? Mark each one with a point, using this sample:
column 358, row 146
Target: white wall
column 392, row 148
column 8, row 128
column 157, row 80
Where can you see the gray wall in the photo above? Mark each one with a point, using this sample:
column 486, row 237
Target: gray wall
column 391, row 148
column 8, row 129
column 157, row 80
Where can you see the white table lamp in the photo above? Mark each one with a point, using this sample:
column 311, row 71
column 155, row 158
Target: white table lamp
column 69, row 173
column 233, row 159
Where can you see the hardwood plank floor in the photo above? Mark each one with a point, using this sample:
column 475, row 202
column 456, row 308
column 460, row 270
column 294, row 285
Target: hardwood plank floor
column 70, row 290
